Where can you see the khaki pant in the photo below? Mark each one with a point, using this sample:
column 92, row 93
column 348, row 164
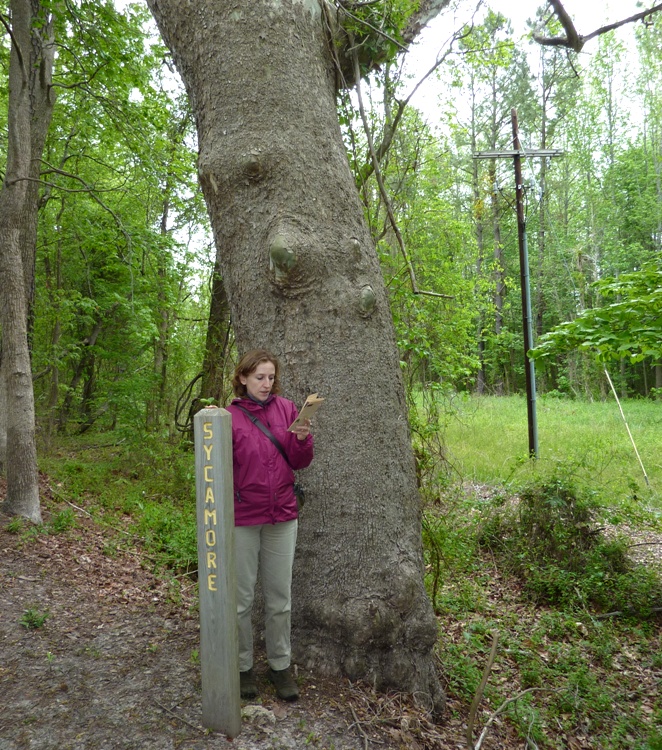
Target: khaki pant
column 271, row 546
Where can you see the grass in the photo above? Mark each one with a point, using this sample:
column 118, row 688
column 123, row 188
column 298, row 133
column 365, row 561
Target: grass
column 539, row 574
column 487, row 442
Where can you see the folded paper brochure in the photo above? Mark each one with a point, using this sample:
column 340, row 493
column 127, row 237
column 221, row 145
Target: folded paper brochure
column 313, row 403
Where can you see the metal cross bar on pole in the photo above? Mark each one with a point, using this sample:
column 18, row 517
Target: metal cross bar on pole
column 517, row 153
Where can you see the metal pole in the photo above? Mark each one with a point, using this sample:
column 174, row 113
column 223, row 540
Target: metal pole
column 219, row 650
column 526, row 296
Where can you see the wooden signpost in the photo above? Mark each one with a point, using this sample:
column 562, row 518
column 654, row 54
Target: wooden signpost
column 219, row 653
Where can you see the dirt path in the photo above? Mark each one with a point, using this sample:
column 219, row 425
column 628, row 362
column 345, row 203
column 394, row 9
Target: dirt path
column 115, row 663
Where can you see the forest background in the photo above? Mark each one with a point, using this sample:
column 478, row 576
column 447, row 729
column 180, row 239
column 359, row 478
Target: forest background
column 123, row 292
column 130, row 327
column 121, row 314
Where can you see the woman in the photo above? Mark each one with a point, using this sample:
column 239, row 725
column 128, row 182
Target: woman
column 265, row 512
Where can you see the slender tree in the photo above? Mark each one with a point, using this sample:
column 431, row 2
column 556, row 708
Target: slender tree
column 30, row 106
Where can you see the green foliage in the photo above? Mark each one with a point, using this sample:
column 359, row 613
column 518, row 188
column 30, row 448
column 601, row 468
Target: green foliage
column 628, row 325
column 374, row 30
column 170, row 533
column 150, row 483
column 16, row 525
column 62, row 522
column 581, row 667
column 550, row 539
column 33, row 618
column 115, row 270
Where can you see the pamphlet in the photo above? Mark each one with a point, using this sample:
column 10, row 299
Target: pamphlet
column 312, row 404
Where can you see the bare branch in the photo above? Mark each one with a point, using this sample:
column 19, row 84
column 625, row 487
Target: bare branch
column 391, row 127
column 632, row 19
column 382, row 188
column 575, row 41
column 17, row 47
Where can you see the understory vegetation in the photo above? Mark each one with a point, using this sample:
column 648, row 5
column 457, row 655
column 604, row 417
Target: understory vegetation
column 535, row 565
column 534, row 560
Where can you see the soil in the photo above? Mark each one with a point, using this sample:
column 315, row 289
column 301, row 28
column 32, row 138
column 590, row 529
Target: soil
column 115, row 664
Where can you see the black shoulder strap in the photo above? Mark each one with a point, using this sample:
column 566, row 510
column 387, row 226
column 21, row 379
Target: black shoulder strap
column 261, row 426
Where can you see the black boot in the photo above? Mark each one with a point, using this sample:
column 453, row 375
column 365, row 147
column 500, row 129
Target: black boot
column 286, row 687
column 247, row 686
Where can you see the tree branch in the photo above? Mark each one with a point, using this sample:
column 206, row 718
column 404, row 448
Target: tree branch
column 17, row 47
column 382, row 188
column 391, row 127
column 427, row 10
column 575, row 41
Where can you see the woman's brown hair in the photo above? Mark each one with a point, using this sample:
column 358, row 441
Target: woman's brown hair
column 248, row 364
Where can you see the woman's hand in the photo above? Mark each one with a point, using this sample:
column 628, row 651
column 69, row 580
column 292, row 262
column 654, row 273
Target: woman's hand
column 303, row 430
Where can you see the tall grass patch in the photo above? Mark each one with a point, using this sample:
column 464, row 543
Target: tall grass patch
column 487, row 441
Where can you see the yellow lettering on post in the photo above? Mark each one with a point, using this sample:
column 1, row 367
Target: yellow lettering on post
column 211, row 560
column 210, row 516
column 207, row 431
column 210, row 537
column 209, row 496
column 211, row 582
column 207, row 478
column 208, row 451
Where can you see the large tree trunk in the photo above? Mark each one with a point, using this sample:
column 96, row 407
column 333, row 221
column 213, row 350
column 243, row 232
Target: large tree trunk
column 303, row 279
column 29, row 115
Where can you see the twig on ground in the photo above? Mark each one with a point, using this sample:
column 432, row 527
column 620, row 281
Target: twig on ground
column 75, row 507
column 481, row 689
column 624, row 612
column 179, row 718
column 502, row 708
column 357, row 724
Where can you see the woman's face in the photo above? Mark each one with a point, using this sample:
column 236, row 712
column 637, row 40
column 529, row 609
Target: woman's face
column 260, row 382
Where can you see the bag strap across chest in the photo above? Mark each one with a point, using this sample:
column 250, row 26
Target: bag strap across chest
column 261, row 426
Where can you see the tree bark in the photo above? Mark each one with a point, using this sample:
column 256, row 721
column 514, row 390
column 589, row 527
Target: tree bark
column 303, row 279
column 3, row 415
column 217, row 342
column 29, row 114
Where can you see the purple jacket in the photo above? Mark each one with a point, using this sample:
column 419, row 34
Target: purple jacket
column 262, row 480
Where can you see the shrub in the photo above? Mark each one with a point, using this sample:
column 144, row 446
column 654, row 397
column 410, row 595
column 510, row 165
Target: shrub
column 549, row 537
